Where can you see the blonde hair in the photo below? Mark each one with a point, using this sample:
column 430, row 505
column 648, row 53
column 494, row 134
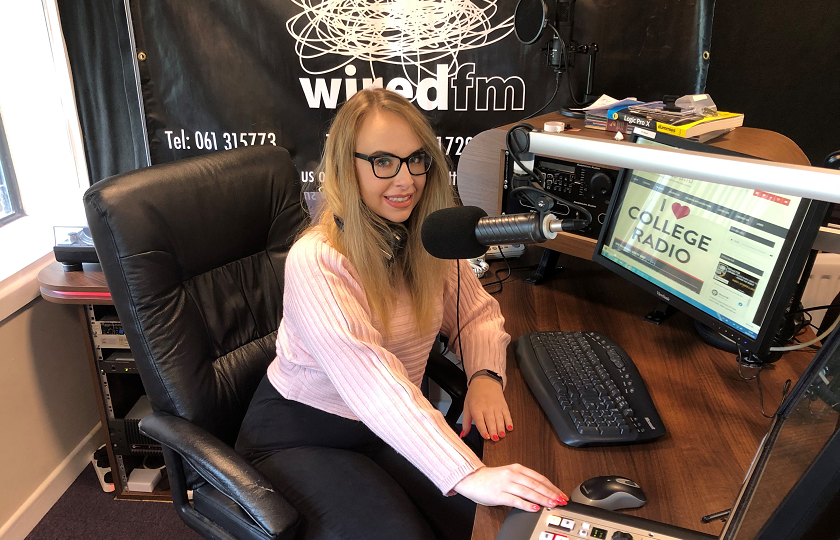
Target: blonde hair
column 364, row 235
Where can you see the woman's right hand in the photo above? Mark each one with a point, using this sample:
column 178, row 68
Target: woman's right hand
column 511, row 485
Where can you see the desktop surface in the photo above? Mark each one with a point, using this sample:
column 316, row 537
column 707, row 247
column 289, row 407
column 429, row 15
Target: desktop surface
column 713, row 417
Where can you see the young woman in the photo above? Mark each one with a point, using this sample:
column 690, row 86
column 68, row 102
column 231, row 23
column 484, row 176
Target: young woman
column 339, row 423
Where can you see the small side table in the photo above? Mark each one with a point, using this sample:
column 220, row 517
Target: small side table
column 116, row 384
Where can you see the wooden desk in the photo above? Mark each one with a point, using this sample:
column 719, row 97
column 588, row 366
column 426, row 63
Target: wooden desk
column 87, row 288
column 712, row 416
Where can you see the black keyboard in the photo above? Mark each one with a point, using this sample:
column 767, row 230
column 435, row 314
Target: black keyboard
column 589, row 388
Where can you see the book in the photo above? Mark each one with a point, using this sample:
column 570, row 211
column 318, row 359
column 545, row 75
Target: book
column 595, row 121
column 680, row 124
column 691, row 126
column 619, row 125
column 710, row 135
column 658, row 107
column 637, row 120
column 612, row 112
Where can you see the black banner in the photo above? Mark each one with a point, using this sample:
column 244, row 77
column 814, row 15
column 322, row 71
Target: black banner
column 226, row 73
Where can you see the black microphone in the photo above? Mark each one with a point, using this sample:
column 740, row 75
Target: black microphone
column 465, row 232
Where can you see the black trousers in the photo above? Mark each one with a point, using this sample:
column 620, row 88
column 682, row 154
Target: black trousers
column 344, row 480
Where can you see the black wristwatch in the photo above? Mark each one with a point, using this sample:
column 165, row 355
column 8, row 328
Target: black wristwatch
column 492, row 374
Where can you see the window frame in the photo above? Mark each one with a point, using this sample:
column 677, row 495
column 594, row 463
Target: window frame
column 7, row 177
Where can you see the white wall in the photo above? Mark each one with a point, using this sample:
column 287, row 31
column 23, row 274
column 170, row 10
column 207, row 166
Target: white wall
column 48, row 414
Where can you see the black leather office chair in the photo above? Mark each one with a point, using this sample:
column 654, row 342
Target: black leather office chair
column 193, row 253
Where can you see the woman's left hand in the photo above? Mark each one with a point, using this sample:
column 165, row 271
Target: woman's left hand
column 485, row 404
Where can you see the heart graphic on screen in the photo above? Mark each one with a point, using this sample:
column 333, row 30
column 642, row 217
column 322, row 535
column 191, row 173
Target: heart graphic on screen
column 679, row 210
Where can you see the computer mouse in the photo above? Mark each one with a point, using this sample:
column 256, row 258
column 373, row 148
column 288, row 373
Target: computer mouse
column 610, row 492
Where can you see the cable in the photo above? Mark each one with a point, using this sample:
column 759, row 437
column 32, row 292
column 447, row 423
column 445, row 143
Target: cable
column 785, row 390
column 543, row 192
column 458, row 305
column 827, row 306
column 757, row 377
column 458, row 312
column 808, row 343
column 509, row 142
column 499, row 280
column 799, row 328
column 554, row 95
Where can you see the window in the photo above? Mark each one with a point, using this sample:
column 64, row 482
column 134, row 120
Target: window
column 42, row 162
column 10, row 207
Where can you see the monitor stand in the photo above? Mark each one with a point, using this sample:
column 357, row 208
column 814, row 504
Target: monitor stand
column 663, row 311
column 547, row 267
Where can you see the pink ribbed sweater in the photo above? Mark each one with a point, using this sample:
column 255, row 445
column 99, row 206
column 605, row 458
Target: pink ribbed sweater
column 332, row 355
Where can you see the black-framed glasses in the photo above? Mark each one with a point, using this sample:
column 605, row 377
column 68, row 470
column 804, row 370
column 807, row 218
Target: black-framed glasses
column 388, row 166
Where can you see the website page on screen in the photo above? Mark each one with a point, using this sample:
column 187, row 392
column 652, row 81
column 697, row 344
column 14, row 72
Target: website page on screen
column 719, row 248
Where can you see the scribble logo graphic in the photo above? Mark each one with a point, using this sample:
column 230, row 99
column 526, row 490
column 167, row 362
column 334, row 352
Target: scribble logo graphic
column 424, row 37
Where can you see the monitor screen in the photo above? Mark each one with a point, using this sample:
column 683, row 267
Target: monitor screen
column 726, row 255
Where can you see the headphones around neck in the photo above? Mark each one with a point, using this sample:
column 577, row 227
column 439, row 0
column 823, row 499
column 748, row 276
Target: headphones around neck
column 396, row 236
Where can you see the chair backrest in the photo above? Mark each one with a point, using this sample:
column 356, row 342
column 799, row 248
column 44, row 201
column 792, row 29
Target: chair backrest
column 193, row 253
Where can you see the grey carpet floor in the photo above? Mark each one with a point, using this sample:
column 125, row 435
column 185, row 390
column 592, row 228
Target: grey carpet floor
column 84, row 511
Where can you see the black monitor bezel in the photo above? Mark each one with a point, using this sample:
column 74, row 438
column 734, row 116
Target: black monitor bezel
column 810, row 212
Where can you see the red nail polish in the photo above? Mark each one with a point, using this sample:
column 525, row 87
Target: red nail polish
column 535, row 508
column 462, row 434
column 510, row 428
column 495, row 437
column 502, row 434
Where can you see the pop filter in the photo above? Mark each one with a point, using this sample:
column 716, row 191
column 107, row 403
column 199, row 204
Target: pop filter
column 529, row 20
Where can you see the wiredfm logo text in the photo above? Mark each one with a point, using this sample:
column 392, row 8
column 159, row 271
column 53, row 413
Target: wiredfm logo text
column 462, row 92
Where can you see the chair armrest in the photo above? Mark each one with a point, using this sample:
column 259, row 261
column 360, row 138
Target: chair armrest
column 451, row 380
column 224, row 469
column 447, row 375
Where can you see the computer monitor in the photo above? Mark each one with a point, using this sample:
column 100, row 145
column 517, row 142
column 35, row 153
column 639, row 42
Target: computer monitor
column 792, row 490
column 727, row 256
